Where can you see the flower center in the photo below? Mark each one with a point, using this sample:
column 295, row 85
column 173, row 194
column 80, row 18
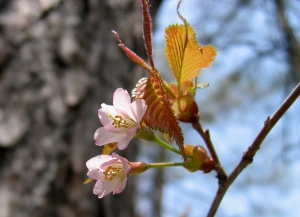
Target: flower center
column 120, row 122
column 112, row 172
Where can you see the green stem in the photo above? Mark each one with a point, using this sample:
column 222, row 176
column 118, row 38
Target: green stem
column 169, row 90
column 165, row 164
column 166, row 145
column 147, row 134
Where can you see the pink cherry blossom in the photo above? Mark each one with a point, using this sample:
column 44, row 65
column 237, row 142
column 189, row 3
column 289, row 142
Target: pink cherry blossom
column 110, row 171
column 121, row 120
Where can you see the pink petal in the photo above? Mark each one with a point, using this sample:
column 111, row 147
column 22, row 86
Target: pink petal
column 96, row 174
column 104, row 187
column 122, row 145
column 103, row 136
column 105, row 120
column 122, row 103
column 126, row 165
column 95, row 162
column 115, row 155
column 107, row 109
column 118, row 189
column 130, row 134
column 139, row 108
column 124, row 161
column 111, row 161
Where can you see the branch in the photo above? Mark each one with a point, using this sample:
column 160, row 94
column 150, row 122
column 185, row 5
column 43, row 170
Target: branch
column 249, row 154
column 221, row 174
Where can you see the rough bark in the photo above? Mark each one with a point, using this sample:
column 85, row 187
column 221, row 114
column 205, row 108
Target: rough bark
column 58, row 63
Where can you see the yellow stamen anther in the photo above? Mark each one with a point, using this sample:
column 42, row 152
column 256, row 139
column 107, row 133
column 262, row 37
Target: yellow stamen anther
column 111, row 172
column 120, row 122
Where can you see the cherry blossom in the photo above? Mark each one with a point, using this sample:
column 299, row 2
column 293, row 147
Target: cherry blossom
column 121, row 120
column 110, row 171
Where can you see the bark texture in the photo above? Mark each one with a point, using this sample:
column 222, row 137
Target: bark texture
column 58, row 62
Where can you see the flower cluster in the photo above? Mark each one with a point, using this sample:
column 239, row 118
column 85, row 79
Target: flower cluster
column 120, row 123
column 157, row 104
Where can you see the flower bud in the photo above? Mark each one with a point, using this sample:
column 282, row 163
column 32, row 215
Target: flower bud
column 199, row 159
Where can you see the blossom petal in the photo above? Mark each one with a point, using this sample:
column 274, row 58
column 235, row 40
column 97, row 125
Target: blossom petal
column 95, row 171
column 118, row 189
column 115, row 155
column 126, row 165
column 139, row 108
column 103, row 136
column 129, row 135
column 104, row 187
column 105, row 114
column 96, row 174
column 95, row 162
column 122, row 145
column 111, row 161
column 122, row 103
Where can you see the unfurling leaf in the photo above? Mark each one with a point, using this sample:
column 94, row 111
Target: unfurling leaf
column 159, row 115
column 131, row 54
column 147, row 30
column 186, row 56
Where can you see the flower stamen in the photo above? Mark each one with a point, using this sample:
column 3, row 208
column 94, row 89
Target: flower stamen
column 112, row 172
column 120, row 122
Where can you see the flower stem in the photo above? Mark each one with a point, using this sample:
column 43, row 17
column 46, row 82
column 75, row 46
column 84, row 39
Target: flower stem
column 147, row 134
column 166, row 145
column 165, row 164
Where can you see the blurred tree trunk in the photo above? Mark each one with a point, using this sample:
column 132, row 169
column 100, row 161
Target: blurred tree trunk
column 58, row 62
column 290, row 41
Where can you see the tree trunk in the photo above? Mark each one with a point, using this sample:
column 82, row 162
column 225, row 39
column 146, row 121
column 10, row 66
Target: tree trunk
column 58, row 62
column 290, row 41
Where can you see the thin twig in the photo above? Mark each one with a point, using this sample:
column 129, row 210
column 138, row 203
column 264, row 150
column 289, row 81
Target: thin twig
column 249, row 154
column 221, row 174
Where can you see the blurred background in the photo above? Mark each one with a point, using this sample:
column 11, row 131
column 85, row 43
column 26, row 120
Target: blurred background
column 59, row 61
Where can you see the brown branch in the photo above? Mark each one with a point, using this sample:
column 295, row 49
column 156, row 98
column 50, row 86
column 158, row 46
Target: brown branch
column 221, row 174
column 249, row 154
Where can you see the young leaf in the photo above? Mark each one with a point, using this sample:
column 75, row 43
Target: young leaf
column 159, row 115
column 147, row 30
column 131, row 54
column 186, row 56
